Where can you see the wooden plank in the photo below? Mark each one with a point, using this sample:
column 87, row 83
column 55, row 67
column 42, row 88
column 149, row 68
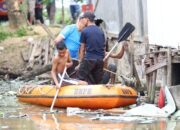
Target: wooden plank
column 46, row 52
column 25, row 56
column 35, row 54
column 38, row 49
column 31, row 48
column 31, row 58
column 115, row 111
column 155, row 67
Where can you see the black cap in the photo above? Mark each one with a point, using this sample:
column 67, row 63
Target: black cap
column 90, row 15
column 61, row 45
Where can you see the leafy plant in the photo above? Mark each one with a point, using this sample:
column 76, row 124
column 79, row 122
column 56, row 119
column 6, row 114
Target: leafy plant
column 21, row 32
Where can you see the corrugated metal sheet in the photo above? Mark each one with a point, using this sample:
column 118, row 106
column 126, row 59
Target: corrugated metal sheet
column 116, row 13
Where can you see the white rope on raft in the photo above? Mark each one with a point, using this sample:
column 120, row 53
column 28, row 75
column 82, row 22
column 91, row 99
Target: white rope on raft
column 27, row 89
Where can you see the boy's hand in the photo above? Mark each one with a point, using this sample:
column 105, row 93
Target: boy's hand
column 57, row 86
column 68, row 64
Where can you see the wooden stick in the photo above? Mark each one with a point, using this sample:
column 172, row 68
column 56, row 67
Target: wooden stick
column 109, row 71
column 47, row 30
column 60, row 83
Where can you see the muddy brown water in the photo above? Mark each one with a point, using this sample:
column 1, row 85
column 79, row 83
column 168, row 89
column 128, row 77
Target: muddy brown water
column 16, row 115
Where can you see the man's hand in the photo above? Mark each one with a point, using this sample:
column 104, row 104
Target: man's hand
column 77, row 67
column 125, row 45
column 59, row 38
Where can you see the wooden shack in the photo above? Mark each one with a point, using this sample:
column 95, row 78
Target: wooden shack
column 168, row 61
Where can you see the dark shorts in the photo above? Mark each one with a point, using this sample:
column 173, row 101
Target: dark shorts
column 75, row 11
column 71, row 71
column 91, row 71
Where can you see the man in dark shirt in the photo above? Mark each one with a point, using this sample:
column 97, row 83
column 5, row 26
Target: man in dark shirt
column 92, row 51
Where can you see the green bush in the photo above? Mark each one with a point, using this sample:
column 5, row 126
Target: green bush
column 21, row 32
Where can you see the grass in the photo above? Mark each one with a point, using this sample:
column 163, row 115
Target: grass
column 4, row 34
column 21, row 32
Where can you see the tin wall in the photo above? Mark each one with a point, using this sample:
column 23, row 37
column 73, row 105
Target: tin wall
column 116, row 13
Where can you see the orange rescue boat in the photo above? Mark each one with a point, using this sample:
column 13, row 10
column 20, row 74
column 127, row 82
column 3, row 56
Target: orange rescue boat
column 82, row 96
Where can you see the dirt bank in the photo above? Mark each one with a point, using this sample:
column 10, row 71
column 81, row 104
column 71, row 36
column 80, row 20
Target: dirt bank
column 11, row 48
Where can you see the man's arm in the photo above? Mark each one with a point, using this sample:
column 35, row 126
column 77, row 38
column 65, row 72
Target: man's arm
column 69, row 61
column 59, row 38
column 121, row 52
column 64, row 34
column 81, row 51
column 53, row 71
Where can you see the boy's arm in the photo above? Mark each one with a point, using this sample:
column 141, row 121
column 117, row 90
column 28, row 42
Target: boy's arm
column 53, row 71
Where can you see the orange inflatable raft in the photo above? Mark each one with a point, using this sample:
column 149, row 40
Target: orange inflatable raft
column 82, row 96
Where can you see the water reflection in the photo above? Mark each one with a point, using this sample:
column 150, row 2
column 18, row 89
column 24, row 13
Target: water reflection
column 21, row 116
column 32, row 117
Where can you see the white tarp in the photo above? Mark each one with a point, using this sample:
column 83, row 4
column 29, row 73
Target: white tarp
column 150, row 110
column 164, row 22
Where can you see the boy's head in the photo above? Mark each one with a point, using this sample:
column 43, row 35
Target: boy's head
column 61, row 47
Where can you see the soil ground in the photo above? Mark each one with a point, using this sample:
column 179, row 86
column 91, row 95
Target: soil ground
column 11, row 48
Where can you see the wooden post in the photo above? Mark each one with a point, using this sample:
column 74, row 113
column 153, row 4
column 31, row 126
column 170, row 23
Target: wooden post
column 153, row 87
column 149, row 78
column 164, row 82
column 169, row 67
column 150, row 85
column 146, row 40
column 131, row 54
